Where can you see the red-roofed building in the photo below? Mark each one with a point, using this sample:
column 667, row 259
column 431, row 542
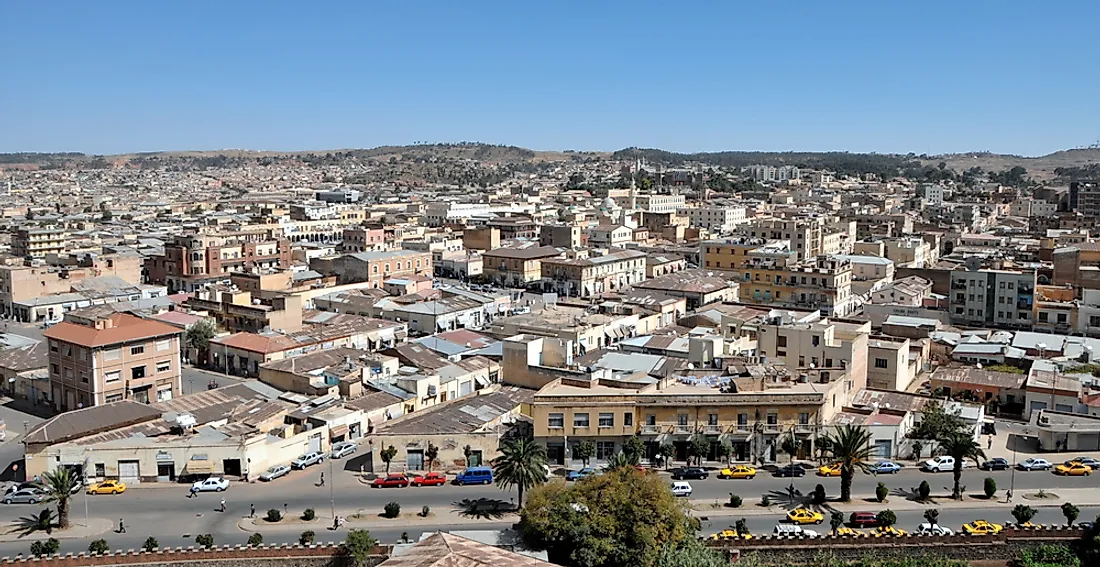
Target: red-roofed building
column 112, row 358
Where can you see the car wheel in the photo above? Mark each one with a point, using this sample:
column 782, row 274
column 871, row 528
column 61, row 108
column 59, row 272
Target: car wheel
column 220, row 489
column 486, row 482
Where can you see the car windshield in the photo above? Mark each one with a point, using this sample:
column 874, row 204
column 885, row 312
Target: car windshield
column 273, row 469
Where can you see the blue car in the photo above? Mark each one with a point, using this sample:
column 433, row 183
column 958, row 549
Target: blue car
column 885, row 467
column 583, row 473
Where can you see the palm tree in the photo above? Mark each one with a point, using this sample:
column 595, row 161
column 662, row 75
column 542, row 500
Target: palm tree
column 850, row 447
column 42, row 521
column 960, row 446
column 60, row 484
column 619, row 460
column 522, row 463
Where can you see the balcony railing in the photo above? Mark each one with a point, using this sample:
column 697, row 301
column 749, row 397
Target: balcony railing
column 803, row 428
column 743, row 428
column 685, row 429
column 713, row 429
column 771, row 428
column 650, row 429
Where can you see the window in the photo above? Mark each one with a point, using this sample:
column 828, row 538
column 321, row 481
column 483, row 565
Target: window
column 712, row 419
column 164, row 366
column 1011, row 285
column 781, row 341
column 628, row 419
column 112, row 354
column 113, row 398
column 816, row 340
column 112, row 376
column 803, row 418
column 137, row 372
column 1061, row 317
column 84, row 376
column 55, row 369
column 164, row 345
column 82, row 354
column 555, row 421
column 742, row 419
column 53, row 346
column 135, row 350
column 67, row 350
column 604, row 450
column 681, row 419
column 1044, row 316
column 773, row 418
column 881, row 363
column 607, row 420
column 580, row 420
column 100, row 470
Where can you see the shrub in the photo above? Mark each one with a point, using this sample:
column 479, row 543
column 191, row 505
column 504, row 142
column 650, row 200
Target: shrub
column 886, row 518
column 1049, row 555
column 392, row 510
column 274, row 515
column 48, row 547
column 99, row 547
column 735, row 501
column 1070, row 512
column 881, row 492
column 359, row 545
column 1023, row 513
column 924, row 490
column 836, row 519
column 425, row 511
column 765, row 501
column 741, row 526
column 151, row 544
column 990, row 487
column 309, row 514
column 819, row 495
column 205, row 540
column 307, row 537
column 932, row 516
column 255, row 540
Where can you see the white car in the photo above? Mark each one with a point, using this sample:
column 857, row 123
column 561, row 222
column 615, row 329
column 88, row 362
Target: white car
column 1035, row 465
column 308, row 459
column 793, row 530
column 934, row 529
column 342, row 449
column 274, row 473
column 212, row 484
column 940, row 464
column 681, row 489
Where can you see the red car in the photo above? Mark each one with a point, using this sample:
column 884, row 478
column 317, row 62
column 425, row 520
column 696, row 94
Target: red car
column 863, row 520
column 430, row 479
column 393, row 480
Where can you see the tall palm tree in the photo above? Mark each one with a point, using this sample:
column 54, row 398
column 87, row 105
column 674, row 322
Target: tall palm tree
column 522, row 463
column 850, row 446
column 59, row 486
column 960, row 446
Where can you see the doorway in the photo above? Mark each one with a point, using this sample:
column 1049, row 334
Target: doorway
column 231, row 467
column 166, row 471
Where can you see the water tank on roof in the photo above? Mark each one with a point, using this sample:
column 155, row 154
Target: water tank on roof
column 185, row 421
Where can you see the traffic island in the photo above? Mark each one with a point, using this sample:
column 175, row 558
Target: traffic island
column 96, row 526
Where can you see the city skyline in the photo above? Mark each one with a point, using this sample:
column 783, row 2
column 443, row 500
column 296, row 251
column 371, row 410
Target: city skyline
column 860, row 77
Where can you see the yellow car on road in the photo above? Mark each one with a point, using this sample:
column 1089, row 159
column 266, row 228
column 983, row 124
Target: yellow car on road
column 804, row 516
column 107, row 487
column 730, row 534
column 1073, row 468
column 739, row 471
column 982, row 527
column 829, row 470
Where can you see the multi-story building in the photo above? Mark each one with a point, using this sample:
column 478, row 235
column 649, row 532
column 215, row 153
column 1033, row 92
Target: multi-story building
column 807, row 341
column 120, row 357
column 772, row 173
column 512, row 228
column 561, row 236
column 585, row 277
column 715, row 218
column 992, row 298
column 516, row 266
column 363, row 238
column 804, row 234
column 1084, row 197
column 825, row 284
column 910, row 252
column 654, row 203
column 240, row 311
column 610, row 236
column 192, row 261
column 38, row 242
column 374, row 267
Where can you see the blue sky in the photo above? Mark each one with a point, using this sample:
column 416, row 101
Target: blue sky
column 889, row 76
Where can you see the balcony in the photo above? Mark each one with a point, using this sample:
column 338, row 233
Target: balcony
column 803, row 428
column 685, row 429
column 581, row 430
column 650, row 429
column 771, row 428
column 712, row 429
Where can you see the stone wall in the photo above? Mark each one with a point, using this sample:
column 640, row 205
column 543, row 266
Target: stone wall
column 319, row 555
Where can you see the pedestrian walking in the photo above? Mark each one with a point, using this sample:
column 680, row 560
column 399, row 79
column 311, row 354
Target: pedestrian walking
column 322, row 479
column 223, row 505
column 989, row 445
column 193, row 492
column 251, row 510
column 121, row 527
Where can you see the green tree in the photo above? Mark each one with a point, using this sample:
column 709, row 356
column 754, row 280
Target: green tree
column 917, row 448
column 886, row 518
column 725, row 451
column 40, row 522
column 1023, row 513
column 99, row 547
column 584, row 451
column 836, row 519
column 790, row 446
column 618, row 461
column 205, row 540
column 667, row 452
column 690, row 553
column 1049, row 555
column 306, row 537
column 359, row 544
column 699, row 448
column 391, row 510
column 851, row 448
column 255, row 540
column 1071, row 512
column 741, row 526
column 199, row 334
column 48, row 547
column 881, row 492
column 932, row 516
column 634, row 450
column 522, row 464
column 989, row 485
column 387, row 456
column 431, row 454
column 924, row 490
column 818, row 498
column 960, row 446
column 937, row 423
column 151, row 544
column 59, row 485
column 619, row 519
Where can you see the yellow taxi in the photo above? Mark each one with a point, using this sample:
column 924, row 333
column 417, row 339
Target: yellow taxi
column 804, row 516
column 730, row 534
column 829, row 470
column 982, row 527
column 846, row 531
column 107, row 487
column 1073, row 468
column 888, row 531
column 739, row 471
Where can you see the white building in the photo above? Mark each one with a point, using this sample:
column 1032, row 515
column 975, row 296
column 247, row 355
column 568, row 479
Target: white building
column 661, row 203
column 716, row 219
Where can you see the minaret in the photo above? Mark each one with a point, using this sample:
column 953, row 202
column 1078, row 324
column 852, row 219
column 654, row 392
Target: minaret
column 634, row 185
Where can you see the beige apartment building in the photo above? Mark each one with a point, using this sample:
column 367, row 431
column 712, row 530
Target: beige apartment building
column 824, row 283
column 240, row 311
column 585, row 277
column 38, row 242
column 807, row 342
column 120, row 357
column 516, row 267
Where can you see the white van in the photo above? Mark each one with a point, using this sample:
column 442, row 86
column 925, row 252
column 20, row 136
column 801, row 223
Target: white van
column 793, row 530
column 680, row 488
column 944, row 463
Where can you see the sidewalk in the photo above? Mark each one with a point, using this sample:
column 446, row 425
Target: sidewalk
column 96, row 526
column 371, row 519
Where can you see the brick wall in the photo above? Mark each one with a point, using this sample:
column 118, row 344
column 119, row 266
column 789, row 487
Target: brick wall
column 319, row 555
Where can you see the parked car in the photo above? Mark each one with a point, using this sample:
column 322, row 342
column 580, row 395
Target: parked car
column 1033, row 464
column 934, row 529
column 863, row 520
column 307, row 460
column 943, row 463
column 275, row 472
column 884, row 467
column 738, row 471
column 805, row 516
column 692, row 473
column 212, row 484
column 982, row 527
column 107, row 487
column 793, row 530
column 391, row 481
column 1090, row 462
column 996, row 464
column 475, row 475
column 583, row 473
column 342, row 449
column 430, row 479
column 25, row 496
column 681, row 489
column 832, row 469
column 790, row 470
column 1073, row 468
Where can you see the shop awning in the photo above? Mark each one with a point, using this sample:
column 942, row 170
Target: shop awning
column 338, row 431
column 482, row 381
column 199, row 467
